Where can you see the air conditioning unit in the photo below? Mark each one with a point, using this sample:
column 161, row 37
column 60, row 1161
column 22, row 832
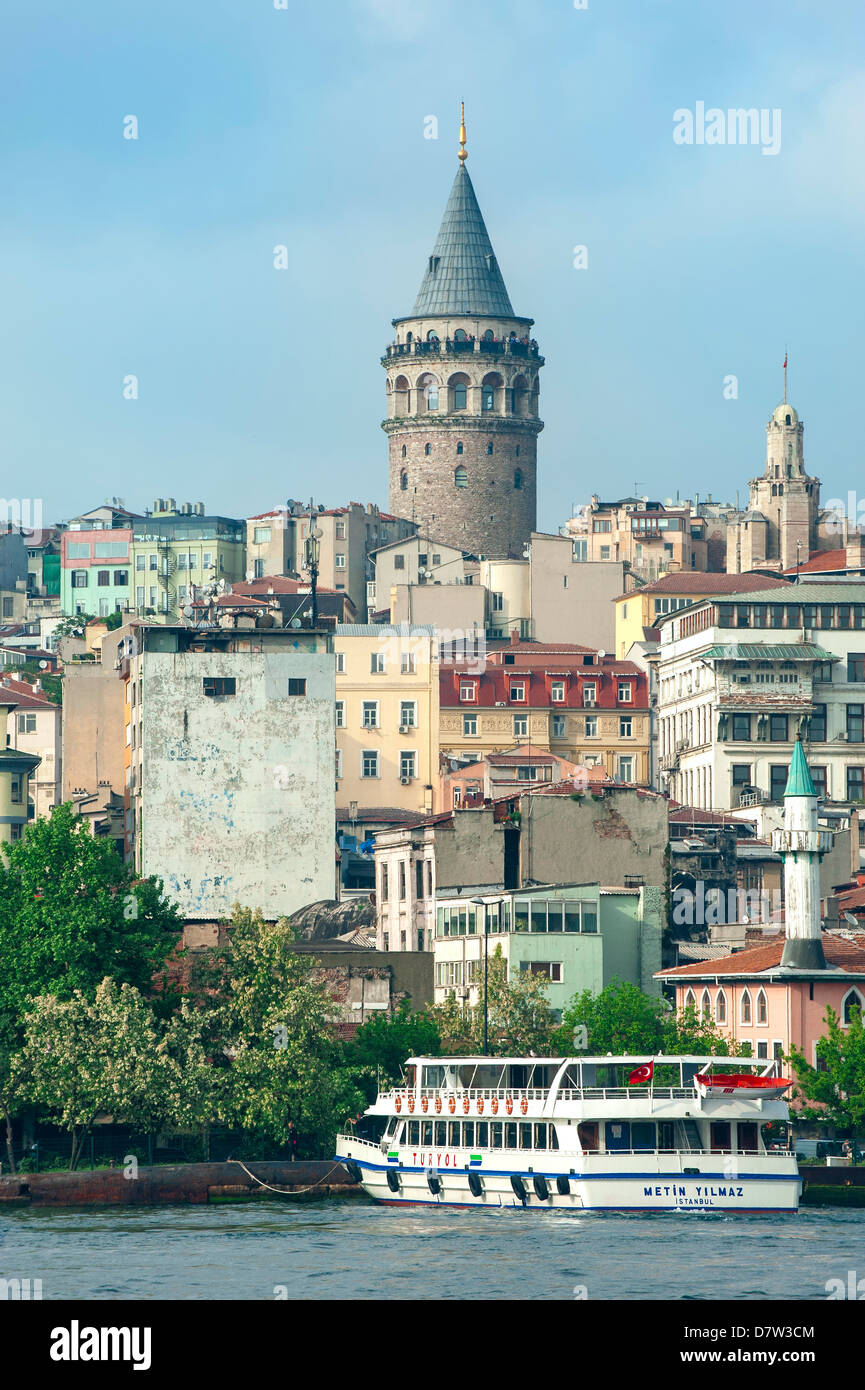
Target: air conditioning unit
column 405, row 728
column 501, row 704
column 406, row 781
column 843, row 736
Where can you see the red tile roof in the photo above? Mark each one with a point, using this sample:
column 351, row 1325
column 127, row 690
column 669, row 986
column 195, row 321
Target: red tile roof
column 686, row 582
column 758, row 960
column 822, row 561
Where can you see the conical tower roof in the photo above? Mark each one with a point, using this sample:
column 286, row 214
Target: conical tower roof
column 463, row 275
column 799, row 779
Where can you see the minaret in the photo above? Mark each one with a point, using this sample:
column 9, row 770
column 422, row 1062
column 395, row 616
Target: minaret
column 802, row 846
column 462, row 393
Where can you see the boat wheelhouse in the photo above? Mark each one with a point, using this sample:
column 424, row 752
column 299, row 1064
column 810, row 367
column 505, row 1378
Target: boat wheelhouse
column 581, row 1133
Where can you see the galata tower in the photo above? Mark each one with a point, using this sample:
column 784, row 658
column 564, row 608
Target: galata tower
column 462, row 394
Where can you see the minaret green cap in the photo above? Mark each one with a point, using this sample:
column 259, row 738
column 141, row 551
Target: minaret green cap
column 799, row 779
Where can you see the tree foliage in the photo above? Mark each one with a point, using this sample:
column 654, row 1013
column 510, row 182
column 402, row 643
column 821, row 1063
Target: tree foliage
column 519, row 1019
column 624, row 1019
column 839, row 1090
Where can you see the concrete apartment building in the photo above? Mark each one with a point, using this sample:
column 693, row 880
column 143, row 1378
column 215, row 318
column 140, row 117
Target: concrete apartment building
column 95, row 562
column 348, row 537
column 416, row 562
column 588, row 708
column 230, row 737
column 640, row 609
column 554, row 594
column 387, row 715
column 174, row 550
column 740, row 678
column 542, row 835
column 93, row 721
column 16, row 792
column 652, row 538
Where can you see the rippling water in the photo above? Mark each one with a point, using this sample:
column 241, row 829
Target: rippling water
column 351, row 1248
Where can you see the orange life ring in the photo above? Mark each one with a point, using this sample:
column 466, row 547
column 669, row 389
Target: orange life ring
column 411, row 1104
column 398, row 1104
column 509, row 1105
column 452, row 1105
column 424, row 1105
column 466, row 1105
column 480, row 1107
column 494, row 1106
column 524, row 1105
column 438, row 1105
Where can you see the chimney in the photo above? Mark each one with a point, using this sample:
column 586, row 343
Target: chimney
column 855, row 549
column 515, row 637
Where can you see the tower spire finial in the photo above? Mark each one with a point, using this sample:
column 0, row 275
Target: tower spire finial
column 463, row 153
column 785, row 376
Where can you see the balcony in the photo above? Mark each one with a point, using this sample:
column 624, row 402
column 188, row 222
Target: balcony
column 488, row 347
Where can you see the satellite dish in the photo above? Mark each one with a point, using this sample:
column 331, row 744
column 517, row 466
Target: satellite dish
column 602, row 654
column 295, row 622
column 43, row 665
column 316, row 531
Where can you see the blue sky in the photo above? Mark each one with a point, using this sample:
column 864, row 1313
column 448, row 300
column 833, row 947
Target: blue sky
column 305, row 127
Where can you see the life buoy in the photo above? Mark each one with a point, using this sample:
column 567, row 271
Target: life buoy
column 466, row 1105
column 480, row 1107
column 494, row 1106
column 524, row 1105
column 438, row 1105
column 411, row 1104
column 509, row 1105
column 397, row 1105
column 452, row 1105
column 424, row 1105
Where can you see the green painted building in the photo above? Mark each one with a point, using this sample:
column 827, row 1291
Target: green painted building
column 175, row 550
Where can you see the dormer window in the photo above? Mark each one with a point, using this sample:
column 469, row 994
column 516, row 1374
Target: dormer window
column 518, row 690
column 467, row 691
column 434, row 264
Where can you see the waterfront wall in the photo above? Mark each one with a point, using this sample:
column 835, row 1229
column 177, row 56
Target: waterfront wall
column 172, row 1184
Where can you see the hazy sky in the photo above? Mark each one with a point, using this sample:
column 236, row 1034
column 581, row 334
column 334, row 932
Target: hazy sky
column 304, row 127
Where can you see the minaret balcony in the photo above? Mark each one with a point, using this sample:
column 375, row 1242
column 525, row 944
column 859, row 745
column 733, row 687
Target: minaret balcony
column 802, row 841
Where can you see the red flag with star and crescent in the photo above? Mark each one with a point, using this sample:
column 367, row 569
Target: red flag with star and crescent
column 643, row 1073
column 785, row 359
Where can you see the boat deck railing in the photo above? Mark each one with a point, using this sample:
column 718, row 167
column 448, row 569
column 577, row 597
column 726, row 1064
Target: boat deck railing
column 533, row 1093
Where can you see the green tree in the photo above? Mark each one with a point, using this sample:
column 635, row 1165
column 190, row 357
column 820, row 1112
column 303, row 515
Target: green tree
column 622, row 1018
column 110, row 1054
column 838, row 1092
column 519, row 1018
column 277, row 1027
column 380, row 1047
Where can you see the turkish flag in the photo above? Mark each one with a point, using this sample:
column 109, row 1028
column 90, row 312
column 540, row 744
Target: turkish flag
column 644, row 1073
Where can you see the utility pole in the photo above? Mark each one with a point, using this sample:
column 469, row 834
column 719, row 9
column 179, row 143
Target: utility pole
column 312, row 554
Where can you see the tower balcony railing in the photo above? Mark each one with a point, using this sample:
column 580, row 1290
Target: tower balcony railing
column 490, row 347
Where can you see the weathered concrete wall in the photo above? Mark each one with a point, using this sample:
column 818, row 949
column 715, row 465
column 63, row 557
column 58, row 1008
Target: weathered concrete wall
column 168, row 1184
column 470, row 853
column 93, row 737
column 581, row 609
column 238, row 799
column 410, row 974
column 565, row 841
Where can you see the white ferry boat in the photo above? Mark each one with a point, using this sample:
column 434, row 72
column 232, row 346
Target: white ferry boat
column 580, row 1134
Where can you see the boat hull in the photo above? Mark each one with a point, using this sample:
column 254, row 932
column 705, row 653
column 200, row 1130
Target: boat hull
column 596, row 1191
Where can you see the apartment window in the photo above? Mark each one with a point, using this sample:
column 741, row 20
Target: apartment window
column 498, row 603
column 855, row 723
column 402, row 880
column 778, row 728
column 437, row 559
column 339, row 562
column 340, row 714
column 406, row 664
column 79, row 579
column 762, row 1050
column 339, row 530
column 340, row 663
column 550, row 969
column 625, row 692
column 518, row 691
column 470, row 724
column 219, row 685
column 856, row 666
column 605, row 552
column 521, row 725
column 819, row 778
column 369, row 719
column 817, row 724
column 152, row 598
column 626, row 769
column 407, row 765
column 297, row 685
column 338, row 764
column 27, row 723
column 385, row 886
column 741, row 728
column 559, row 726
column 591, row 726
column 778, row 781
column 206, row 561
column 369, row 763
column 151, row 562
column 590, row 694
column 557, row 692
column 140, row 562
column 8, row 607
column 181, row 560
column 856, row 783
column 258, row 569
column 261, row 535
column 467, row 690
column 15, row 833
column 408, row 714
column 823, row 671
column 139, row 596
column 580, row 551
column 376, row 663
column 121, row 578
column 625, row 726
column 741, row 776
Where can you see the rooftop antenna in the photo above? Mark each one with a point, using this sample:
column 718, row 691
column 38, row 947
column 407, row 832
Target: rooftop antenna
column 785, row 376
column 463, row 152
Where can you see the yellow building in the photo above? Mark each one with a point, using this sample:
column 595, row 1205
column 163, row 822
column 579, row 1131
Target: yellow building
column 176, row 550
column 644, row 607
column 387, row 715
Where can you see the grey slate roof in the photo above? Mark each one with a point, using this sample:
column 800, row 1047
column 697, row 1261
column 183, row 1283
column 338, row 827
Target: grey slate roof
column 463, row 275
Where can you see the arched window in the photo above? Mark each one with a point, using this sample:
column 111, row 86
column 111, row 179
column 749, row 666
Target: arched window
column 491, row 383
column 745, row 1007
column 403, row 481
column 432, row 337
column 427, row 448
column 720, row 1007
column 401, row 388
column 706, row 1005
column 490, row 447
column 520, row 395
column 690, row 1000
column 762, row 1007
column 403, row 451
column 459, row 446
column 461, row 336
column 789, row 421
column 461, row 477
column 852, row 1000
column 518, row 478
column 427, row 392
column 459, row 384
column 488, row 336
column 518, row 451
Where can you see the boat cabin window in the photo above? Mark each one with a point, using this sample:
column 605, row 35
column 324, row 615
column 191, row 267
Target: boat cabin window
column 481, row 1134
column 588, row 1135
column 391, row 1127
column 719, row 1136
column 748, row 1137
column 666, row 1136
column 617, row 1135
column 433, row 1078
column 643, row 1136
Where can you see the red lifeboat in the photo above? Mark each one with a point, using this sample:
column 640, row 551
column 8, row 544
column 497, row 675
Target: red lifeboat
column 726, row 1083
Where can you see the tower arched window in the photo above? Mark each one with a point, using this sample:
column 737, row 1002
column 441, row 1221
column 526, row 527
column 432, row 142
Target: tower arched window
column 518, row 478
column 745, row 1007
column 488, row 398
column 427, row 448
column 461, row 477
column 762, row 1007
column 459, row 384
column 518, row 451
column 461, row 336
column 788, row 420
column 459, row 446
column 432, row 337
column 427, row 392
column 490, row 447
column 852, row 1000
column 403, row 481
column 403, row 451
